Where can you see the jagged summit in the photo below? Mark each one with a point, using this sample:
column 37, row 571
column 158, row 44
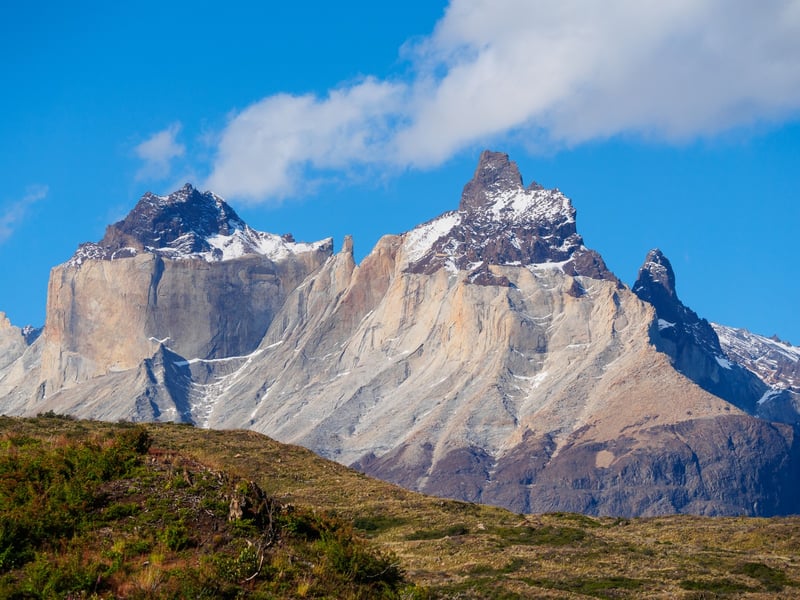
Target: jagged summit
column 495, row 173
column 656, row 281
column 777, row 362
column 183, row 220
column 500, row 222
column 656, row 284
column 188, row 224
column 691, row 342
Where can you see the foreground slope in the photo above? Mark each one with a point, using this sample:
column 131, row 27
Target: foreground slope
column 99, row 512
column 447, row 549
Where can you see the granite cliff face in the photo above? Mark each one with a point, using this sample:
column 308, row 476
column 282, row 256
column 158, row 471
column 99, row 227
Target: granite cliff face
column 486, row 355
column 183, row 271
column 12, row 342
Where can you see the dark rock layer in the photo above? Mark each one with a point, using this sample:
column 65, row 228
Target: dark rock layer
column 690, row 341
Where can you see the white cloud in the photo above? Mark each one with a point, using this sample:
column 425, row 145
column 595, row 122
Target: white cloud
column 158, row 151
column 557, row 72
column 572, row 71
column 15, row 212
column 266, row 149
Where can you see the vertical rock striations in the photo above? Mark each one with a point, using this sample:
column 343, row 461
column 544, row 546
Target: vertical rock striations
column 486, row 355
column 182, row 271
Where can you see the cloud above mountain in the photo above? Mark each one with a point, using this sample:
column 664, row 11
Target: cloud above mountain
column 158, row 152
column 554, row 73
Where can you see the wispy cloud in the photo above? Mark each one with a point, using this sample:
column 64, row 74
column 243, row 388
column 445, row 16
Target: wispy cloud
column 557, row 73
column 15, row 212
column 158, row 152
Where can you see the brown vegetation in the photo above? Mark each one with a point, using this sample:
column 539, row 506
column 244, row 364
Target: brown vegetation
column 446, row 549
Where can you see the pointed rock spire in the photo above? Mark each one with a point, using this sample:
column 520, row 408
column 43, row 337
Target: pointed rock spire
column 495, row 173
column 500, row 222
column 690, row 340
column 656, row 280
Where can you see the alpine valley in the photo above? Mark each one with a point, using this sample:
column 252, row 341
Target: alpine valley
column 487, row 355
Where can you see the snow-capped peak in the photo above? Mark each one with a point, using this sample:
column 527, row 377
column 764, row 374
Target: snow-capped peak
column 188, row 224
column 500, row 222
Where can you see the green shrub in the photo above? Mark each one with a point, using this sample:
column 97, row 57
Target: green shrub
column 237, row 567
column 772, row 579
column 119, row 510
column 436, row 534
column 301, row 524
column 377, row 523
column 356, row 563
column 546, row 535
column 175, row 537
column 47, row 491
column 721, row 585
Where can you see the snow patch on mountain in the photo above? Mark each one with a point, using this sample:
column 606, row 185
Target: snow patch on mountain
column 188, row 224
column 777, row 363
column 500, row 222
column 420, row 239
column 249, row 241
column 542, row 206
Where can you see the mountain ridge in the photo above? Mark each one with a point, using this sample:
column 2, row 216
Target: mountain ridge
column 486, row 355
column 189, row 224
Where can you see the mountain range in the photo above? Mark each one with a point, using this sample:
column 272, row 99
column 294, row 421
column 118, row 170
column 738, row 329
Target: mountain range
column 487, row 355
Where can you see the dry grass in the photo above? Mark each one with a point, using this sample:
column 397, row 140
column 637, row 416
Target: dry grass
column 460, row 550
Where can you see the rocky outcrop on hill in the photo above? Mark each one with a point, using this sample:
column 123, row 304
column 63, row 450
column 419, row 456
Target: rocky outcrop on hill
column 486, row 355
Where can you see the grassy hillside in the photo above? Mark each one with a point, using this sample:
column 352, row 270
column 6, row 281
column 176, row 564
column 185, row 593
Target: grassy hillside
column 115, row 510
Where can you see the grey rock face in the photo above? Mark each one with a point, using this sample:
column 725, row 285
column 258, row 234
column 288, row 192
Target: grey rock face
column 12, row 342
column 486, row 355
column 181, row 271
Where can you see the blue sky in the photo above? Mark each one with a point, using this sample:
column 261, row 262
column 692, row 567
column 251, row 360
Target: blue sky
column 672, row 126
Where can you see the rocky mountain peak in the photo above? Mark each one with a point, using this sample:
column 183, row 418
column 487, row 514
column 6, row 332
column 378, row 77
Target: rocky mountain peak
column 656, row 284
column 690, row 341
column 495, row 174
column 500, row 222
column 182, row 220
column 656, row 280
column 188, row 224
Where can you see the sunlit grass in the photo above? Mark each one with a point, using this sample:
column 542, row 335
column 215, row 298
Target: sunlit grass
column 448, row 549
